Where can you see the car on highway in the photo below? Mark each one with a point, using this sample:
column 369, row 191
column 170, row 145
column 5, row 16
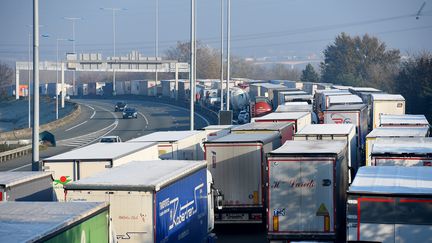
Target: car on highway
column 243, row 117
column 110, row 139
column 120, row 106
column 130, row 112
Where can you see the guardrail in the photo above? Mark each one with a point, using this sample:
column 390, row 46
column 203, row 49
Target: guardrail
column 14, row 153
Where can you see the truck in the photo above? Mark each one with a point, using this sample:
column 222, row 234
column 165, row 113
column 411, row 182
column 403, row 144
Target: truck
column 320, row 98
column 86, row 161
column 390, row 204
column 345, row 132
column 217, row 131
column 402, row 152
column 393, row 104
column 306, row 191
column 298, row 106
column 342, row 100
column 152, row 201
column 26, row 186
column 392, row 132
column 355, row 114
column 236, row 162
column 300, row 119
column 180, row 145
column 403, row 121
column 54, row 222
column 285, row 130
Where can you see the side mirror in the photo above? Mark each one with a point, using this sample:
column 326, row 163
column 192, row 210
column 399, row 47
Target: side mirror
column 219, row 199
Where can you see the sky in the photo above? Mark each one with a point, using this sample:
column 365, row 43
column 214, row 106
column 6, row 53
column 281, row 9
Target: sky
column 259, row 28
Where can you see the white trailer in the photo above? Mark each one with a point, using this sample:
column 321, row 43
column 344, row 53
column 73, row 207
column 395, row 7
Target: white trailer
column 285, row 130
column 392, row 132
column 26, row 186
column 181, row 145
column 152, row 201
column 236, row 162
column 403, row 121
column 306, row 191
column 291, row 96
column 392, row 104
column 320, row 98
column 294, row 106
column 345, row 132
column 300, row 119
column 390, row 204
column 402, row 152
column 87, row 161
column 355, row 114
column 217, row 131
column 342, row 100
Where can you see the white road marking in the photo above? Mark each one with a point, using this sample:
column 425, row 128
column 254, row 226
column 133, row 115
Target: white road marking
column 75, row 126
column 94, row 111
column 20, row 167
column 147, row 122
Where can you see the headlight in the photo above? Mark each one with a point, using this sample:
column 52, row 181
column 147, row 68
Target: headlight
column 124, row 113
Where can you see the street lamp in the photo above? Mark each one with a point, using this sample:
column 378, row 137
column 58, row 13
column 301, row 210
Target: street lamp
column 192, row 65
column 222, row 55
column 157, row 43
column 228, row 53
column 73, row 19
column 57, row 76
column 114, row 10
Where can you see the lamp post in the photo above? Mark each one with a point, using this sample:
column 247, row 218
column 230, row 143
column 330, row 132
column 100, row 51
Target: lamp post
column 222, row 55
column 157, row 43
column 228, row 54
column 57, row 75
column 35, row 130
column 114, row 10
column 73, row 19
column 192, row 65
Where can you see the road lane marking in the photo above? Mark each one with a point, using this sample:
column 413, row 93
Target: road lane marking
column 147, row 122
column 20, row 167
column 75, row 126
column 178, row 107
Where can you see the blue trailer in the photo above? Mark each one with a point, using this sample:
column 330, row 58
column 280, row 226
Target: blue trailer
column 153, row 201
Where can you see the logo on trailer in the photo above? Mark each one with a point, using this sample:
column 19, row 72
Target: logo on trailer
column 63, row 180
column 340, row 119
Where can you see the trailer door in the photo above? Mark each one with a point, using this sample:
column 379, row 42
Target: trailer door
column 89, row 168
column 301, row 195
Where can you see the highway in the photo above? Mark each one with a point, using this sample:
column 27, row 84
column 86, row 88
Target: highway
column 98, row 119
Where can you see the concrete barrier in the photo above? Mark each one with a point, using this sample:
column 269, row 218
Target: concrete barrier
column 27, row 132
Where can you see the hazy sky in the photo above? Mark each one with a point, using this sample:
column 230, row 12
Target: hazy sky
column 259, row 27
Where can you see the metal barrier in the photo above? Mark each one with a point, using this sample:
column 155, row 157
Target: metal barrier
column 14, row 153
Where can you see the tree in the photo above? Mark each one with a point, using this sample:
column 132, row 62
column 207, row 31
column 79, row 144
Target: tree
column 6, row 78
column 359, row 61
column 414, row 82
column 309, row 74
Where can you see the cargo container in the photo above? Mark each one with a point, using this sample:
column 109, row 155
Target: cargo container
column 320, row 98
column 355, row 114
column 285, row 130
column 390, row 204
column 168, row 88
column 26, row 186
column 86, row 161
column 236, row 162
column 296, row 107
column 152, row 201
column 264, row 89
column 183, row 145
column 300, row 119
column 403, row 121
column 342, row 100
column 390, row 104
column 345, row 132
column 392, row 132
column 284, row 96
column 91, row 88
column 402, row 152
column 217, row 131
column 306, row 191
column 54, row 222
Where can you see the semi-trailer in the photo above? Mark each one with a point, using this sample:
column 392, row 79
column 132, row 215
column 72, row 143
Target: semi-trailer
column 300, row 119
column 392, row 104
column 285, row 130
column 26, row 186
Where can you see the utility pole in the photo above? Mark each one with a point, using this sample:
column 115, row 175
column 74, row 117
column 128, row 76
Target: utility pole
column 192, row 65
column 157, row 43
column 73, row 19
column 35, row 130
column 228, row 54
column 222, row 56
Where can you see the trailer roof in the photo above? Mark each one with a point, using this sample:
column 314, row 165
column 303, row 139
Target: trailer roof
column 139, row 175
column 12, row 178
column 344, row 99
column 299, row 96
column 386, row 180
column 365, row 89
column 398, row 132
column 102, row 151
column 326, row 129
column 388, row 97
column 417, row 146
column 346, row 107
column 218, row 127
column 407, row 119
column 293, row 92
column 269, row 85
column 283, row 116
column 247, row 138
column 341, row 87
column 298, row 106
column 294, row 147
column 262, row 126
column 32, row 221
column 333, row 91
column 165, row 136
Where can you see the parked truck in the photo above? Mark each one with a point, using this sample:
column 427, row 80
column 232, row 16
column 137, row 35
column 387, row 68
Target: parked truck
column 236, row 162
column 300, row 119
column 390, row 204
column 345, row 132
column 178, row 145
column 53, row 222
column 392, row 104
column 87, row 161
column 285, row 130
column 306, row 191
column 402, row 152
column 403, row 121
column 392, row 132
column 26, row 186
column 153, row 201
